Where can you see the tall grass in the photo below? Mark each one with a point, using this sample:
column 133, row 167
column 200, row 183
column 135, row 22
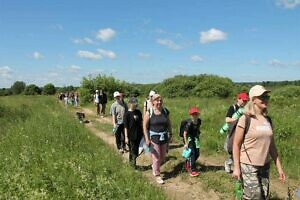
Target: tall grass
column 46, row 154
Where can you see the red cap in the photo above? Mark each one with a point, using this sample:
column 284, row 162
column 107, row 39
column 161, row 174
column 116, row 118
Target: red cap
column 193, row 110
column 243, row 96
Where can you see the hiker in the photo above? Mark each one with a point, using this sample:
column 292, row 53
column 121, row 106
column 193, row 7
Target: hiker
column 157, row 134
column 102, row 103
column 133, row 123
column 118, row 110
column 241, row 101
column 192, row 141
column 148, row 102
column 76, row 99
column 252, row 149
column 97, row 102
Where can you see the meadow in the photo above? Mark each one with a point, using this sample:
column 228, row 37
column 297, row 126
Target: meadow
column 46, row 154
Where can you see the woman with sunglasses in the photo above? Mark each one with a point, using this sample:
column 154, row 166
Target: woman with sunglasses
column 252, row 150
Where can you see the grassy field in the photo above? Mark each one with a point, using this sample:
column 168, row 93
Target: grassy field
column 46, row 154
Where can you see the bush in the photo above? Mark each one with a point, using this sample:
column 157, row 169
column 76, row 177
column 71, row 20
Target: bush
column 49, row 89
column 32, row 90
column 18, row 87
column 287, row 91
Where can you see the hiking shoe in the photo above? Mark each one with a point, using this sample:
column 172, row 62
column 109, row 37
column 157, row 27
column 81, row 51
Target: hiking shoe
column 227, row 166
column 187, row 166
column 194, row 173
column 159, row 180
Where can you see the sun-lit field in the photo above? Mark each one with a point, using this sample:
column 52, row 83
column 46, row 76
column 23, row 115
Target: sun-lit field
column 47, row 154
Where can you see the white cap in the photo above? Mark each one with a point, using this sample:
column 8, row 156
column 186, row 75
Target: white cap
column 257, row 91
column 152, row 93
column 97, row 90
column 117, row 94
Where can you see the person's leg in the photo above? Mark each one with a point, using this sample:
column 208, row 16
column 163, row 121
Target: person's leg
column 155, row 153
column 251, row 182
column 135, row 150
column 118, row 138
column 264, row 180
column 163, row 152
column 103, row 109
column 98, row 108
column 122, row 136
column 130, row 144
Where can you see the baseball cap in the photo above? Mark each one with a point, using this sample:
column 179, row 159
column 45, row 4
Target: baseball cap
column 193, row 110
column 156, row 96
column 257, row 91
column 243, row 96
column 133, row 100
column 117, row 94
column 151, row 93
column 97, row 90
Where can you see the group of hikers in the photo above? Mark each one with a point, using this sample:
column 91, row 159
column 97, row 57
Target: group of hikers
column 253, row 141
column 69, row 98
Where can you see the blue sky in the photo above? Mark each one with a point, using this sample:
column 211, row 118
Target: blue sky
column 147, row 41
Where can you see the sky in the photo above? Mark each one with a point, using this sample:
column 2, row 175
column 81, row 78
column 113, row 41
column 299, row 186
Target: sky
column 147, row 41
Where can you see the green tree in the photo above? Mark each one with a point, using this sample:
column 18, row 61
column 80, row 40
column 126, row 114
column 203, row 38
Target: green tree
column 18, row 87
column 49, row 89
column 32, row 90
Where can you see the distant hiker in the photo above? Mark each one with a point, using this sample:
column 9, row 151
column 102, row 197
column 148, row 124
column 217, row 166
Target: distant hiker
column 102, row 103
column 97, row 102
column 118, row 110
column 191, row 137
column 157, row 133
column 252, row 150
column 133, row 123
column 76, row 99
column 241, row 101
column 148, row 102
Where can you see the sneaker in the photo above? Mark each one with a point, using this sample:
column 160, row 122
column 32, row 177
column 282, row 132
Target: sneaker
column 194, row 173
column 227, row 166
column 159, row 180
column 187, row 166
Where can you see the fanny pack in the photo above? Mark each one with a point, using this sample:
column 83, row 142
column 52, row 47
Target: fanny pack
column 163, row 136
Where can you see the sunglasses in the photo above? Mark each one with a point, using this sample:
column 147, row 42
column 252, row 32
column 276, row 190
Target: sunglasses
column 264, row 97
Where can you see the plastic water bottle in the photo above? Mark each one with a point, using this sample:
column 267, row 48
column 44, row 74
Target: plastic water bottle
column 238, row 190
column 235, row 116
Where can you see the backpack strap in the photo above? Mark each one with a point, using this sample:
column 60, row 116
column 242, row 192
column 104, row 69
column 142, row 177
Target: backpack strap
column 163, row 111
column 270, row 121
column 234, row 108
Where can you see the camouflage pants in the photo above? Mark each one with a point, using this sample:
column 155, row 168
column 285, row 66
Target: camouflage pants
column 255, row 181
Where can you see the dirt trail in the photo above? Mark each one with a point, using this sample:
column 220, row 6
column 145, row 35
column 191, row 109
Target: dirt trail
column 176, row 185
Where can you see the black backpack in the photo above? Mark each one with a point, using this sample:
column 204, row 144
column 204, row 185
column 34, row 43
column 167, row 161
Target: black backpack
column 229, row 142
column 183, row 124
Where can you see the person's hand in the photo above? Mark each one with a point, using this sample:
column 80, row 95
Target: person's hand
column 170, row 139
column 126, row 140
column 281, row 175
column 236, row 173
column 185, row 146
column 148, row 142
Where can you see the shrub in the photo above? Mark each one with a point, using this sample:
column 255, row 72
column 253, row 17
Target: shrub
column 49, row 89
column 32, row 90
column 18, row 87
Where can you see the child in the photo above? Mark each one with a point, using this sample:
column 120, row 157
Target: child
column 133, row 123
column 191, row 140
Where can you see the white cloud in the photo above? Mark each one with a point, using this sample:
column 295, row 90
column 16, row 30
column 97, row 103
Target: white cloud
column 276, row 63
column 106, row 34
column 288, row 4
column 212, row 35
column 297, row 63
column 5, row 72
column 85, row 40
column 74, row 68
column 89, row 55
column 168, row 43
column 107, row 53
column 37, row 55
column 196, row 58
column 144, row 55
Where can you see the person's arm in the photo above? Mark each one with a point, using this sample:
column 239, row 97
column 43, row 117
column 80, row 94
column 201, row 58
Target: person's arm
column 237, row 143
column 170, row 130
column 126, row 123
column 229, row 114
column 145, row 108
column 185, row 139
column 145, row 129
column 229, row 120
column 275, row 157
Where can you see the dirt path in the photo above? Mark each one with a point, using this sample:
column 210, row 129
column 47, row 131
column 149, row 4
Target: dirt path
column 177, row 186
